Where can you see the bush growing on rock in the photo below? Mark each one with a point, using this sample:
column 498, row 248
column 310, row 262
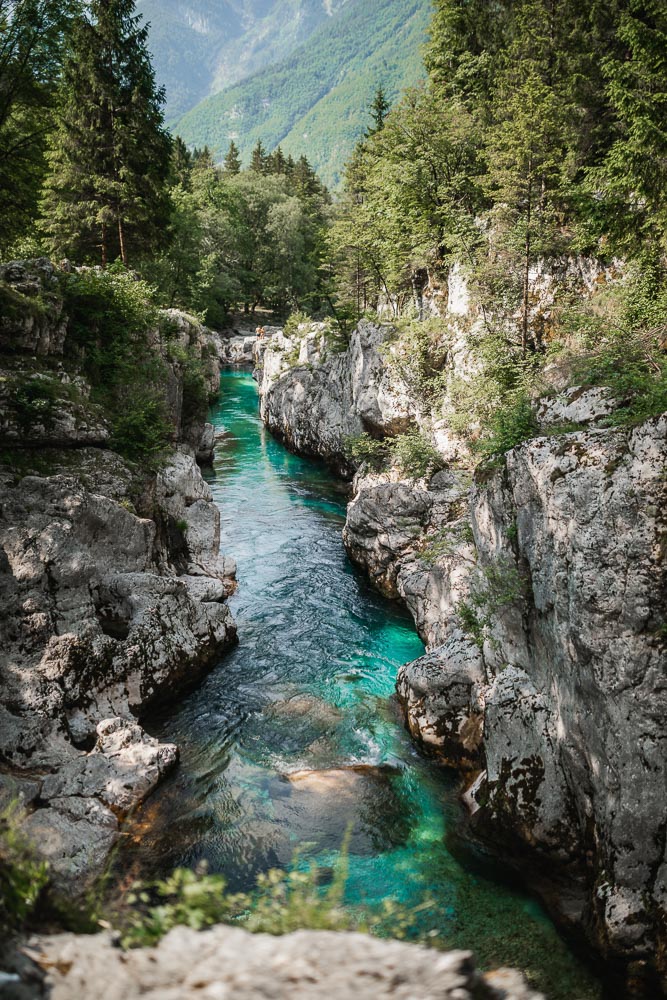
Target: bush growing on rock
column 414, row 454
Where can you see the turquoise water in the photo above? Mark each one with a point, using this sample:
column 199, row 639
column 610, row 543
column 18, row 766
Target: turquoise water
column 295, row 737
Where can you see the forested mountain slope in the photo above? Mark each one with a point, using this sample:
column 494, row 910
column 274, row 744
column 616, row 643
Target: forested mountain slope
column 203, row 46
column 315, row 101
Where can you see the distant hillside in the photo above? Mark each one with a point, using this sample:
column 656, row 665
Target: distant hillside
column 200, row 47
column 315, row 101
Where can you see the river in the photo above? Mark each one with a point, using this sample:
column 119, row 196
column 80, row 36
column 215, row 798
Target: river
column 295, row 737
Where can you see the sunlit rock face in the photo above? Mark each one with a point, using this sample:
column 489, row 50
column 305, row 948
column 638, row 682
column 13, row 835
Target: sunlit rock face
column 315, row 397
column 112, row 584
column 539, row 589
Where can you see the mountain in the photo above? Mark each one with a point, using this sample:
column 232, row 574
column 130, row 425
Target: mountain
column 200, row 47
column 315, row 100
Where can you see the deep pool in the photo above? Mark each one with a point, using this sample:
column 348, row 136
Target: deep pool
column 295, row 736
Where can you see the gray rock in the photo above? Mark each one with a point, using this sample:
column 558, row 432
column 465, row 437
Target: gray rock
column 225, row 963
column 327, row 398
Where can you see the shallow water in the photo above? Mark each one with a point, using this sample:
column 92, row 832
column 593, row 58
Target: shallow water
column 295, row 737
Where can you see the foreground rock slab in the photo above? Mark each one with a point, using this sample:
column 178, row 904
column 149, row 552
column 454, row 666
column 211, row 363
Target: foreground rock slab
column 226, row 963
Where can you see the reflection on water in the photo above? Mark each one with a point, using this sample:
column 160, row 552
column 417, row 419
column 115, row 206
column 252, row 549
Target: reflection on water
column 295, row 737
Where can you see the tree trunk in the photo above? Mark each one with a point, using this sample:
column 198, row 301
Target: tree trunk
column 121, row 240
column 105, row 251
column 526, row 274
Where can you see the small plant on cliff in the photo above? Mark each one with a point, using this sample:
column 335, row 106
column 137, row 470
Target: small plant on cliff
column 112, row 316
column 418, row 356
column 446, row 541
column 414, row 454
column 499, row 586
column 362, row 448
column 293, row 323
column 34, row 402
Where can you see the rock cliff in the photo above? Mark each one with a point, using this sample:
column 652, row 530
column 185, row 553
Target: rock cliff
column 112, row 586
column 539, row 589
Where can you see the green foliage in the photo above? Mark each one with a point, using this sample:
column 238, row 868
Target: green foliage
column 294, row 321
column 33, row 34
column 418, row 356
column 282, row 902
column 365, row 449
column 109, row 155
column 22, row 876
column 111, row 315
column 414, row 454
column 512, row 422
column 446, row 541
column 321, row 90
column 34, row 401
column 498, row 586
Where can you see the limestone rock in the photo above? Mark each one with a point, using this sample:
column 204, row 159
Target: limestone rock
column 226, row 962
column 328, row 397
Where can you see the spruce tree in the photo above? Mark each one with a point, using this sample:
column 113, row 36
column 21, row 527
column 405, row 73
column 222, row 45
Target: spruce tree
column 232, row 161
column 632, row 179
column 106, row 194
column 379, row 110
column 32, row 34
column 259, row 159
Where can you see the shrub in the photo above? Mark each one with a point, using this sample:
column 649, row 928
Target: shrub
column 363, row 448
column 111, row 317
column 415, row 455
column 282, row 902
column 294, row 321
column 512, row 422
column 499, row 586
column 22, row 876
column 34, row 402
column 418, row 356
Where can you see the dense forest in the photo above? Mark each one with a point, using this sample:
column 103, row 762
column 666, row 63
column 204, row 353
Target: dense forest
column 539, row 138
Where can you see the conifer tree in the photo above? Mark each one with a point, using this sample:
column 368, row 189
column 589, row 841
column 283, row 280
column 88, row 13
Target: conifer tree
column 633, row 176
column 232, row 161
column 259, row 159
column 110, row 155
column 32, row 34
column 379, row 110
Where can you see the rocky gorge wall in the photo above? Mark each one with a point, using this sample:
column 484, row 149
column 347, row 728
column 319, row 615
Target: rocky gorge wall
column 539, row 589
column 112, row 588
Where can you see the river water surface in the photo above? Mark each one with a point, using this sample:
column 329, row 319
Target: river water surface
column 295, row 738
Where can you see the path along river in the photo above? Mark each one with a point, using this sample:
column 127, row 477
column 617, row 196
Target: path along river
column 295, row 736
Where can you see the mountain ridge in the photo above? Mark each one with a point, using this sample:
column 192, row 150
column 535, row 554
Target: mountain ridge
column 315, row 101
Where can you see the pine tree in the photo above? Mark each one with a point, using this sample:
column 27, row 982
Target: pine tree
column 277, row 162
column 379, row 110
column 633, row 177
column 259, row 159
column 232, row 162
column 32, row 34
column 110, row 156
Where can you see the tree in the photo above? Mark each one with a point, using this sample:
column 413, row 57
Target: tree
column 232, row 161
column 379, row 110
column 109, row 158
column 259, row 158
column 32, row 38
column 632, row 178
